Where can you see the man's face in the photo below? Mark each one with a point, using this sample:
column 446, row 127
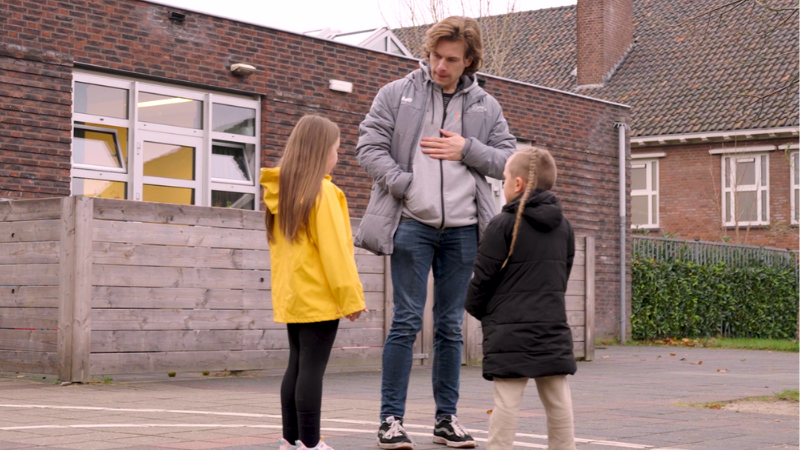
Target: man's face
column 448, row 63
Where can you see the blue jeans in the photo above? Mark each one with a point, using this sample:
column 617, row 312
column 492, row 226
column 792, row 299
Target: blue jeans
column 451, row 253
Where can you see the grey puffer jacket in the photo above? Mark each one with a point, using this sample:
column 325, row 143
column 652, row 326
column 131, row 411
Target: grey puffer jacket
column 389, row 137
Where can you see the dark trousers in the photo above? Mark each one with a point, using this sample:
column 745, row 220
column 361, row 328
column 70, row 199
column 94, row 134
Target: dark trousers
column 301, row 391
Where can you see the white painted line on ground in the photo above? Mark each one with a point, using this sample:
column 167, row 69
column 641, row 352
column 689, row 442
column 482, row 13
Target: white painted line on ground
column 274, row 416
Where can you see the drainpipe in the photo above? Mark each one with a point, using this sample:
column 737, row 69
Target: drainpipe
column 621, row 126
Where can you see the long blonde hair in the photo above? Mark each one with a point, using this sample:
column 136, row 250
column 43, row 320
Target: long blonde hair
column 303, row 165
column 539, row 167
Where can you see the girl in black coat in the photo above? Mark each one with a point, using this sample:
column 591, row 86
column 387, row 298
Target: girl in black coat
column 517, row 292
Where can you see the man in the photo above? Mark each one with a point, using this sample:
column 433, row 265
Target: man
column 428, row 142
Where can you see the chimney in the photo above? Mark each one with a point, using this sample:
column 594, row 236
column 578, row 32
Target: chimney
column 605, row 34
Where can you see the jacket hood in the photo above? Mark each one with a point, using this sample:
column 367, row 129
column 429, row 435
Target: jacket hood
column 468, row 82
column 270, row 180
column 542, row 210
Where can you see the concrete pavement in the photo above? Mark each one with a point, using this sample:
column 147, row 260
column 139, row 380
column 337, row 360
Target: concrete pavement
column 630, row 397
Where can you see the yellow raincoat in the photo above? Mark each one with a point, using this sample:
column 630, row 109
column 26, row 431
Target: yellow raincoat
column 314, row 280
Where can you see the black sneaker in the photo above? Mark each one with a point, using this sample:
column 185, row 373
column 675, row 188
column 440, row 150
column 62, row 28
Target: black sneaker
column 450, row 432
column 391, row 435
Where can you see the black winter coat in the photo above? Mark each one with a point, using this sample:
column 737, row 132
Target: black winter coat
column 521, row 307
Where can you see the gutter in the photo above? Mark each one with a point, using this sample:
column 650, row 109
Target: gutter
column 621, row 127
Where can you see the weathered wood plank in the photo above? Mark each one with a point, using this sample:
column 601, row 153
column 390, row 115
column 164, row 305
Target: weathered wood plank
column 28, row 362
column 577, row 273
column 75, row 294
column 29, row 296
column 34, row 318
column 178, row 235
column 590, row 297
column 218, row 340
column 580, row 243
column 578, row 333
column 177, row 277
column 579, row 259
column 370, row 264
column 576, row 287
column 29, row 274
column 132, row 363
column 29, row 231
column 38, row 209
column 575, row 303
column 28, row 340
column 132, row 211
column 28, row 253
column 576, row 318
column 579, row 349
column 181, row 319
column 113, row 253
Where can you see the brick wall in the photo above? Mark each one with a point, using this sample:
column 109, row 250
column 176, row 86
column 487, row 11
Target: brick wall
column 690, row 199
column 134, row 37
column 604, row 33
column 35, row 112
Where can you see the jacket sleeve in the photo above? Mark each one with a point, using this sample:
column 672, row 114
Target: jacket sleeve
column 375, row 143
column 570, row 250
column 330, row 230
column 489, row 158
column 487, row 270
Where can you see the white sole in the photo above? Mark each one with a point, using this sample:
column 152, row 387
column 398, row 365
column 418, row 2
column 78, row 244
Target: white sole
column 441, row 440
column 398, row 446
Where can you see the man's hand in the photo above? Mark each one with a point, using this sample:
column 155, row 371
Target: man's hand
column 448, row 147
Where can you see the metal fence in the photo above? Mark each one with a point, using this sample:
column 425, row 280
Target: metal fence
column 706, row 253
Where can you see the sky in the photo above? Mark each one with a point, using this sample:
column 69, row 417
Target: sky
column 343, row 15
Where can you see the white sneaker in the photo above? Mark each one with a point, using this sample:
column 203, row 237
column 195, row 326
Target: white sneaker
column 320, row 446
column 285, row 445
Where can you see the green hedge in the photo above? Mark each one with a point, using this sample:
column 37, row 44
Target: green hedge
column 688, row 300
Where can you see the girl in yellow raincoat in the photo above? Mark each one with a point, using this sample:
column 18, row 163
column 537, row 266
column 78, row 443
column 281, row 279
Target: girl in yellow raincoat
column 314, row 277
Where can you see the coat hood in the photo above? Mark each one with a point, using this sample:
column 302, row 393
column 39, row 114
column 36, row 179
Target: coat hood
column 270, row 180
column 542, row 210
column 467, row 83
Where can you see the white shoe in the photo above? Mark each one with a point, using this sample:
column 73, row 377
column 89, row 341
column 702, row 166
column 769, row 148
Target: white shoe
column 320, row 446
column 285, row 445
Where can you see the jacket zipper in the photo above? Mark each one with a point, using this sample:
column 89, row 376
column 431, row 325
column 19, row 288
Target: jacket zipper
column 441, row 162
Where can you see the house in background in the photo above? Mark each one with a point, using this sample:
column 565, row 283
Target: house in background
column 714, row 97
column 380, row 39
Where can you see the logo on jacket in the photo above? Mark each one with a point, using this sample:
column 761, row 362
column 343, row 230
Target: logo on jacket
column 454, row 115
column 406, row 99
column 477, row 108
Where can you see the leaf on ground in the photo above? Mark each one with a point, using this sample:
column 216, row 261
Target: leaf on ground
column 715, row 407
column 672, row 354
column 683, row 359
column 698, row 363
column 489, row 411
column 606, row 357
column 722, row 370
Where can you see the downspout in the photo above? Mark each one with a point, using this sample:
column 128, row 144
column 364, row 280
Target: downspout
column 621, row 126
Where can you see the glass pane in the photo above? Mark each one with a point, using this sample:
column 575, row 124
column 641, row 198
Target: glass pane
column 233, row 119
column 639, row 178
column 764, row 168
column 728, row 207
column 797, row 204
column 228, row 161
column 654, row 166
column 764, row 204
column 166, row 194
column 746, row 206
column 166, row 110
column 727, row 172
column 234, row 200
column 796, row 168
column 394, row 48
column 745, row 172
column 99, row 188
column 97, row 147
column 101, row 100
column 655, row 209
column 168, row 161
column 639, row 210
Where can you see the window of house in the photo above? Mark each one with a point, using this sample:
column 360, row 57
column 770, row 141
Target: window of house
column 795, row 181
column 644, row 194
column 159, row 143
column 745, row 190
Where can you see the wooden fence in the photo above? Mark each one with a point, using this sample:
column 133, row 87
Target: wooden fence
column 93, row 287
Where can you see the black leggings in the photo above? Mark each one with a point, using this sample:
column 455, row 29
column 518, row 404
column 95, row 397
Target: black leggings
column 301, row 391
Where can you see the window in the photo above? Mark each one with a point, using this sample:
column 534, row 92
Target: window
column 795, row 180
column 186, row 146
column 745, row 190
column 644, row 194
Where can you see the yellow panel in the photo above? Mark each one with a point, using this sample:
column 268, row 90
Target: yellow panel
column 166, row 194
column 122, row 134
column 168, row 161
column 102, row 188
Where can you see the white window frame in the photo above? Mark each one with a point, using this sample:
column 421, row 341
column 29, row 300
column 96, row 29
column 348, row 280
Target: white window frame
column 651, row 188
column 200, row 139
column 794, row 186
column 730, row 159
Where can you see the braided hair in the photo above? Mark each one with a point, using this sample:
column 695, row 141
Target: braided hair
column 532, row 153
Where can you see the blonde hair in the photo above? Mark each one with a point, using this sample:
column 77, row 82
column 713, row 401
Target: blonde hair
column 538, row 167
column 457, row 28
column 303, row 167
